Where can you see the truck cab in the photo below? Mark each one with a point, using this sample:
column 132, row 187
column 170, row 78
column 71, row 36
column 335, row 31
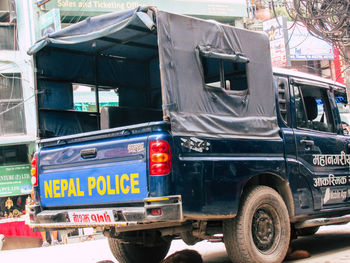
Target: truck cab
column 318, row 140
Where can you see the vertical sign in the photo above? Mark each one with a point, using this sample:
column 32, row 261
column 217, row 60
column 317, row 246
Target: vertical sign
column 50, row 22
column 338, row 67
column 276, row 29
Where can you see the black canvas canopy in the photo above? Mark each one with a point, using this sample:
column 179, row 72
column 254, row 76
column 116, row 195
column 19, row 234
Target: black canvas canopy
column 148, row 53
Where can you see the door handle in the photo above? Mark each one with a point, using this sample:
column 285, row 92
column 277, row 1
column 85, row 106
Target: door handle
column 307, row 142
column 88, row 153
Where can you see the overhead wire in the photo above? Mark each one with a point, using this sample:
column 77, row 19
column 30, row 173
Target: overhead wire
column 19, row 104
column 341, row 72
column 293, row 26
column 81, row 8
column 325, row 19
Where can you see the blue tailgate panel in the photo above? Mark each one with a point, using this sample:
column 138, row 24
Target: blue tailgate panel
column 124, row 182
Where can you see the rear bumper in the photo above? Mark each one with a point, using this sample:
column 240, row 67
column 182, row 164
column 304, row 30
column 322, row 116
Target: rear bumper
column 124, row 217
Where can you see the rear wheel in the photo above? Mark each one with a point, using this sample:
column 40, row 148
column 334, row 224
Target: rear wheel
column 126, row 252
column 261, row 230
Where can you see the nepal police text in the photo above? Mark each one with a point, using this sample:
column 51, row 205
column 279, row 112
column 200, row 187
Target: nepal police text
column 102, row 185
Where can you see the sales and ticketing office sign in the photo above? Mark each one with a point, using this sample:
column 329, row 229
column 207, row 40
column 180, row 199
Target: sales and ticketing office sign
column 15, row 180
column 214, row 8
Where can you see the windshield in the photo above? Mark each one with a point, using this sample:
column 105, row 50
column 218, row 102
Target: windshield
column 343, row 108
column 344, row 111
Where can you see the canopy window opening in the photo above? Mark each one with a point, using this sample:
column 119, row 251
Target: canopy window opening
column 224, row 71
column 84, row 97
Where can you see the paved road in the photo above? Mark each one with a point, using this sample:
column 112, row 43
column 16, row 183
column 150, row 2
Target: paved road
column 330, row 245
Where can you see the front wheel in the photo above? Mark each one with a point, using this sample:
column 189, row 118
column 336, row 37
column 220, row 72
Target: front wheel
column 261, row 230
column 126, row 252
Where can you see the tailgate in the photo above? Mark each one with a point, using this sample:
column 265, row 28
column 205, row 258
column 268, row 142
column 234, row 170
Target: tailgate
column 96, row 172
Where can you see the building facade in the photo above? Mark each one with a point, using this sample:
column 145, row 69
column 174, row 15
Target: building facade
column 17, row 104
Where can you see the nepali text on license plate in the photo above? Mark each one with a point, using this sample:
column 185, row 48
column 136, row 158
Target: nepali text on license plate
column 91, row 217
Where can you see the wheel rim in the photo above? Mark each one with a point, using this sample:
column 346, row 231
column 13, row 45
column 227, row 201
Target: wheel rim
column 265, row 228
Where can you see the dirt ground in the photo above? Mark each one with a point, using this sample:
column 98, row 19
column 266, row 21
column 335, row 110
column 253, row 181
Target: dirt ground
column 21, row 242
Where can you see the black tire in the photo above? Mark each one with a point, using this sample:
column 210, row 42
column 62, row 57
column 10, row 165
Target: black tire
column 307, row 231
column 261, row 230
column 136, row 253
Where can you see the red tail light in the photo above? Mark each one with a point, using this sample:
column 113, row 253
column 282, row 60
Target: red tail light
column 160, row 158
column 34, row 171
column 156, row 212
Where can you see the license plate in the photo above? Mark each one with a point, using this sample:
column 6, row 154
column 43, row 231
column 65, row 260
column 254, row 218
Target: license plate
column 91, row 217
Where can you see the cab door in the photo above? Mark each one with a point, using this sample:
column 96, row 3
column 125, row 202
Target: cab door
column 322, row 151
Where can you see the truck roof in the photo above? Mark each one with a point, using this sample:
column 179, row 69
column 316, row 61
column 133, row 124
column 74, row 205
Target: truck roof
column 298, row 74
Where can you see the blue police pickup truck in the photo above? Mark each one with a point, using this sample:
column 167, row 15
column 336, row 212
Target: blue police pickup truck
column 206, row 141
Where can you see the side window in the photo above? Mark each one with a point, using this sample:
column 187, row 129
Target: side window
column 224, row 71
column 301, row 118
column 12, row 155
column 344, row 110
column 313, row 109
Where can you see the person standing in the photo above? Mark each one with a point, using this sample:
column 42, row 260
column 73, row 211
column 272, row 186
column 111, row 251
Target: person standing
column 53, row 235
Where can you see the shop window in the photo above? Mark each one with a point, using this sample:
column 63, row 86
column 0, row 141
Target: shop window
column 12, row 120
column 8, row 36
column 313, row 109
column 13, row 155
column 224, row 71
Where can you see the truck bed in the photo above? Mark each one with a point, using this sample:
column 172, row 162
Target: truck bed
column 96, row 168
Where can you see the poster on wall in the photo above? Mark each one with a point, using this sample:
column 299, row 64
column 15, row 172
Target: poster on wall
column 304, row 46
column 15, row 180
column 276, row 30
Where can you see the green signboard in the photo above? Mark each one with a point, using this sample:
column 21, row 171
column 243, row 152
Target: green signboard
column 210, row 8
column 15, row 180
column 50, row 22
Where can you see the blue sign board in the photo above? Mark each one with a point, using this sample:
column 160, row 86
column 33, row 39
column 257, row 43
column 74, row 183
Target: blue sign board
column 94, row 185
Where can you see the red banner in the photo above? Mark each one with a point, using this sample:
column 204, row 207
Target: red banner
column 338, row 67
